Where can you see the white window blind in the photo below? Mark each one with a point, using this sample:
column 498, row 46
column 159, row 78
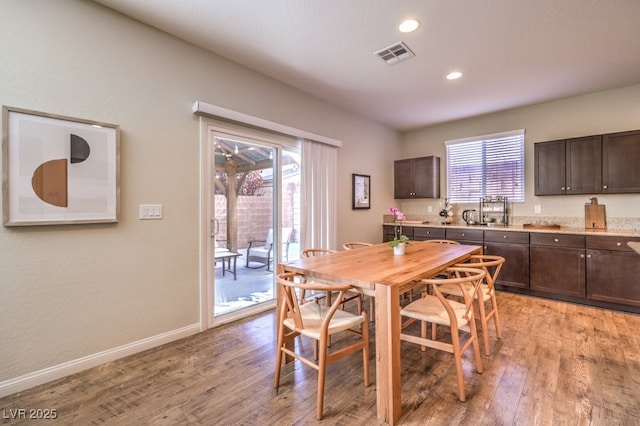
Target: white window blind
column 486, row 165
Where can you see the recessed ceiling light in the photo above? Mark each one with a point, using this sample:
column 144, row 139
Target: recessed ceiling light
column 454, row 75
column 409, row 25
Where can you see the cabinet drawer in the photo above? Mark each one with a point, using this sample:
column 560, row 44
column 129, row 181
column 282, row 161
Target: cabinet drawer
column 506, row 237
column 610, row 243
column 559, row 240
column 464, row 234
column 420, row 233
column 389, row 231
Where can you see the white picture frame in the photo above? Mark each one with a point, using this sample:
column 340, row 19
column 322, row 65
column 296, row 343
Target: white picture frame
column 58, row 170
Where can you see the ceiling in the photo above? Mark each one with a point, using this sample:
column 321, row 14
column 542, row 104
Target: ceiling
column 511, row 52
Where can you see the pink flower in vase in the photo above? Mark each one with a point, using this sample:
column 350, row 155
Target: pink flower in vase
column 399, row 217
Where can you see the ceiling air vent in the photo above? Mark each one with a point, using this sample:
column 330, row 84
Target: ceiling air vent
column 395, row 53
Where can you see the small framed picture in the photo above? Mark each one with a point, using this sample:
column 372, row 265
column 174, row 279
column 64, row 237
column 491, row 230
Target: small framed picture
column 58, row 170
column 361, row 191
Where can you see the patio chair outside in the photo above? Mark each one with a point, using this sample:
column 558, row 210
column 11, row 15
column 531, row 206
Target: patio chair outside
column 261, row 251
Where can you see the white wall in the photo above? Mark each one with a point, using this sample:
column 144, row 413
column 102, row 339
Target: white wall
column 73, row 291
column 592, row 114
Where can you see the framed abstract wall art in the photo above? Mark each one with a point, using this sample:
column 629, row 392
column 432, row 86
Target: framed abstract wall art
column 58, row 170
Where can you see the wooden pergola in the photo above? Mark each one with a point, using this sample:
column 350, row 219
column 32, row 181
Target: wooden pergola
column 237, row 160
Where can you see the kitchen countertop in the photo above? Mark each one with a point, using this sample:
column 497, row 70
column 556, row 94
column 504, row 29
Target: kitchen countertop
column 520, row 228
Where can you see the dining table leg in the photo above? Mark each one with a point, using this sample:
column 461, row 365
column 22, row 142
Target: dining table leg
column 388, row 324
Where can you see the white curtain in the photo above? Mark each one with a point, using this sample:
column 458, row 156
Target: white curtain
column 319, row 188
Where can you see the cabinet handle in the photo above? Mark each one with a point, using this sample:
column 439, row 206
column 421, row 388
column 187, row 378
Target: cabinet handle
column 463, row 234
column 582, row 256
column 568, row 188
column 562, row 188
column 618, row 244
column 555, row 239
column 504, row 236
column 588, row 256
column 604, row 186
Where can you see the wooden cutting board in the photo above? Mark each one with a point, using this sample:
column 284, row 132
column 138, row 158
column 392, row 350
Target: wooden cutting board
column 536, row 226
column 594, row 217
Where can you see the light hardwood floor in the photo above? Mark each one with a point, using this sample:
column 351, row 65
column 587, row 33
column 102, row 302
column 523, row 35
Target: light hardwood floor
column 557, row 364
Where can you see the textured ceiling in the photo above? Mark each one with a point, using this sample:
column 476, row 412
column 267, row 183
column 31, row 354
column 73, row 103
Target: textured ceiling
column 512, row 52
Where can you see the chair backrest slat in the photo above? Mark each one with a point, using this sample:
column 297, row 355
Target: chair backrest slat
column 354, row 245
column 310, row 252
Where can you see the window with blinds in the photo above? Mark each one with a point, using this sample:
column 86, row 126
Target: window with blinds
column 486, row 165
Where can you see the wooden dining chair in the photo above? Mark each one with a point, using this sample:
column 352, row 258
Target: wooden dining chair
column 487, row 294
column 310, row 252
column 442, row 241
column 355, row 295
column 438, row 241
column 354, row 245
column 300, row 317
column 438, row 310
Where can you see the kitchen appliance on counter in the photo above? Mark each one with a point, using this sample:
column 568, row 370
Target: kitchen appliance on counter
column 470, row 217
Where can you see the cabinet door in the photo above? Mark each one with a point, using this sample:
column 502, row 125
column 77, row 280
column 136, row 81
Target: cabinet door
column 550, row 168
column 584, row 165
column 612, row 276
column 403, row 179
column 621, row 157
column 426, row 177
column 559, row 270
column 387, row 233
column 515, row 269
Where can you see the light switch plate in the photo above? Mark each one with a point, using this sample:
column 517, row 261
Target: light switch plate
column 150, row 211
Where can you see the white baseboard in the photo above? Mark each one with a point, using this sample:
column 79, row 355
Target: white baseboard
column 27, row 381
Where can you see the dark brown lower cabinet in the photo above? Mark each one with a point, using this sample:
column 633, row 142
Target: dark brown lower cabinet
column 471, row 237
column 557, row 263
column 389, row 231
column 514, row 247
column 613, row 271
column 598, row 270
column 558, row 270
column 422, row 233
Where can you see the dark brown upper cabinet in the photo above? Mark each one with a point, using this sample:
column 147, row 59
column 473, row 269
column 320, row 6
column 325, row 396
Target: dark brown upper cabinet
column 621, row 162
column 417, row 178
column 601, row 164
column 569, row 166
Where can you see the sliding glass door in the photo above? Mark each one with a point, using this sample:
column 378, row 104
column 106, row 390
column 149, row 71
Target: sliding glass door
column 255, row 188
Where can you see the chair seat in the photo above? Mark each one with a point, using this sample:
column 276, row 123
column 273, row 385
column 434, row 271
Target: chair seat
column 455, row 290
column 429, row 309
column 260, row 252
column 313, row 314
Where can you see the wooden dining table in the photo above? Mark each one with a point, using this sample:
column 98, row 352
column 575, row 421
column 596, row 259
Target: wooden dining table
column 376, row 272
